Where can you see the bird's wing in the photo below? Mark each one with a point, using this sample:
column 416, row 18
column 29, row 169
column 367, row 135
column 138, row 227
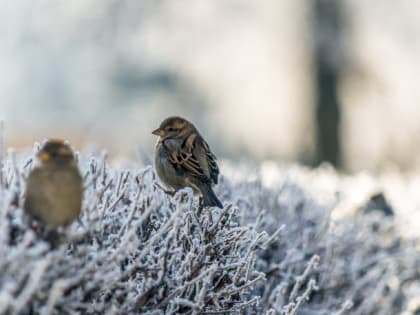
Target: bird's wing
column 190, row 155
column 36, row 199
column 211, row 160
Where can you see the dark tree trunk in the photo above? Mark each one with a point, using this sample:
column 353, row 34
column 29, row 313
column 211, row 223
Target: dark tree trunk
column 328, row 62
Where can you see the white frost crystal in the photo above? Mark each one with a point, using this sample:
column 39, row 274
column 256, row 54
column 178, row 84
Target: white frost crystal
column 273, row 249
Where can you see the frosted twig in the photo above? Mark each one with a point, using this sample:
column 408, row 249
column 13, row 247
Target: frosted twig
column 313, row 263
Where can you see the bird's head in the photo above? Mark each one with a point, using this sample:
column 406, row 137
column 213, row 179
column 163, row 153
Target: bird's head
column 174, row 128
column 57, row 152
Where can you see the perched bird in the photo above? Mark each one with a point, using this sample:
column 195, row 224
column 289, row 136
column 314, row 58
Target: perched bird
column 54, row 187
column 183, row 159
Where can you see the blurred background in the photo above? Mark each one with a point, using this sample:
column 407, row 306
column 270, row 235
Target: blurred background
column 305, row 81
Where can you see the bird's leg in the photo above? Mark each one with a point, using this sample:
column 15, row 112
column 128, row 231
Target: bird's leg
column 200, row 206
column 53, row 237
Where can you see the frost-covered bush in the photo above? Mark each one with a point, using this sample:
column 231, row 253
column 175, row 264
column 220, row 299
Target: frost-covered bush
column 273, row 249
column 136, row 250
column 359, row 264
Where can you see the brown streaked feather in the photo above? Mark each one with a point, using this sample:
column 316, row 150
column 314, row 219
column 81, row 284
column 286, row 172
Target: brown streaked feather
column 211, row 158
column 194, row 167
column 189, row 143
column 180, row 158
column 186, row 157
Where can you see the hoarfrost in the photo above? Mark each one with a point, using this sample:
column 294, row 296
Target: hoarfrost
column 273, row 249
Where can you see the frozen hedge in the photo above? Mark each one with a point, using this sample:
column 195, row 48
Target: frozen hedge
column 273, row 249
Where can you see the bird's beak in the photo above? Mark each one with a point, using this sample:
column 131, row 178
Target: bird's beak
column 44, row 156
column 159, row 132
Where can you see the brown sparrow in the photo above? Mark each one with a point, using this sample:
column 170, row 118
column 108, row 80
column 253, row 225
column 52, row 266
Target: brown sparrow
column 54, row 187
column 183, row 159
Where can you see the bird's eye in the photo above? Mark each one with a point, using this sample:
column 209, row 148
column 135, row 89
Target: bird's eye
column 170, row 129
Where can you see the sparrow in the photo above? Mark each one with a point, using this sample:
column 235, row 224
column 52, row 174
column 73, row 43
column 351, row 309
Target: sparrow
column 183, row 158
column 54, row 188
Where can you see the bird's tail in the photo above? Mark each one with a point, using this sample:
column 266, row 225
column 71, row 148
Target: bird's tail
column 209, row 197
